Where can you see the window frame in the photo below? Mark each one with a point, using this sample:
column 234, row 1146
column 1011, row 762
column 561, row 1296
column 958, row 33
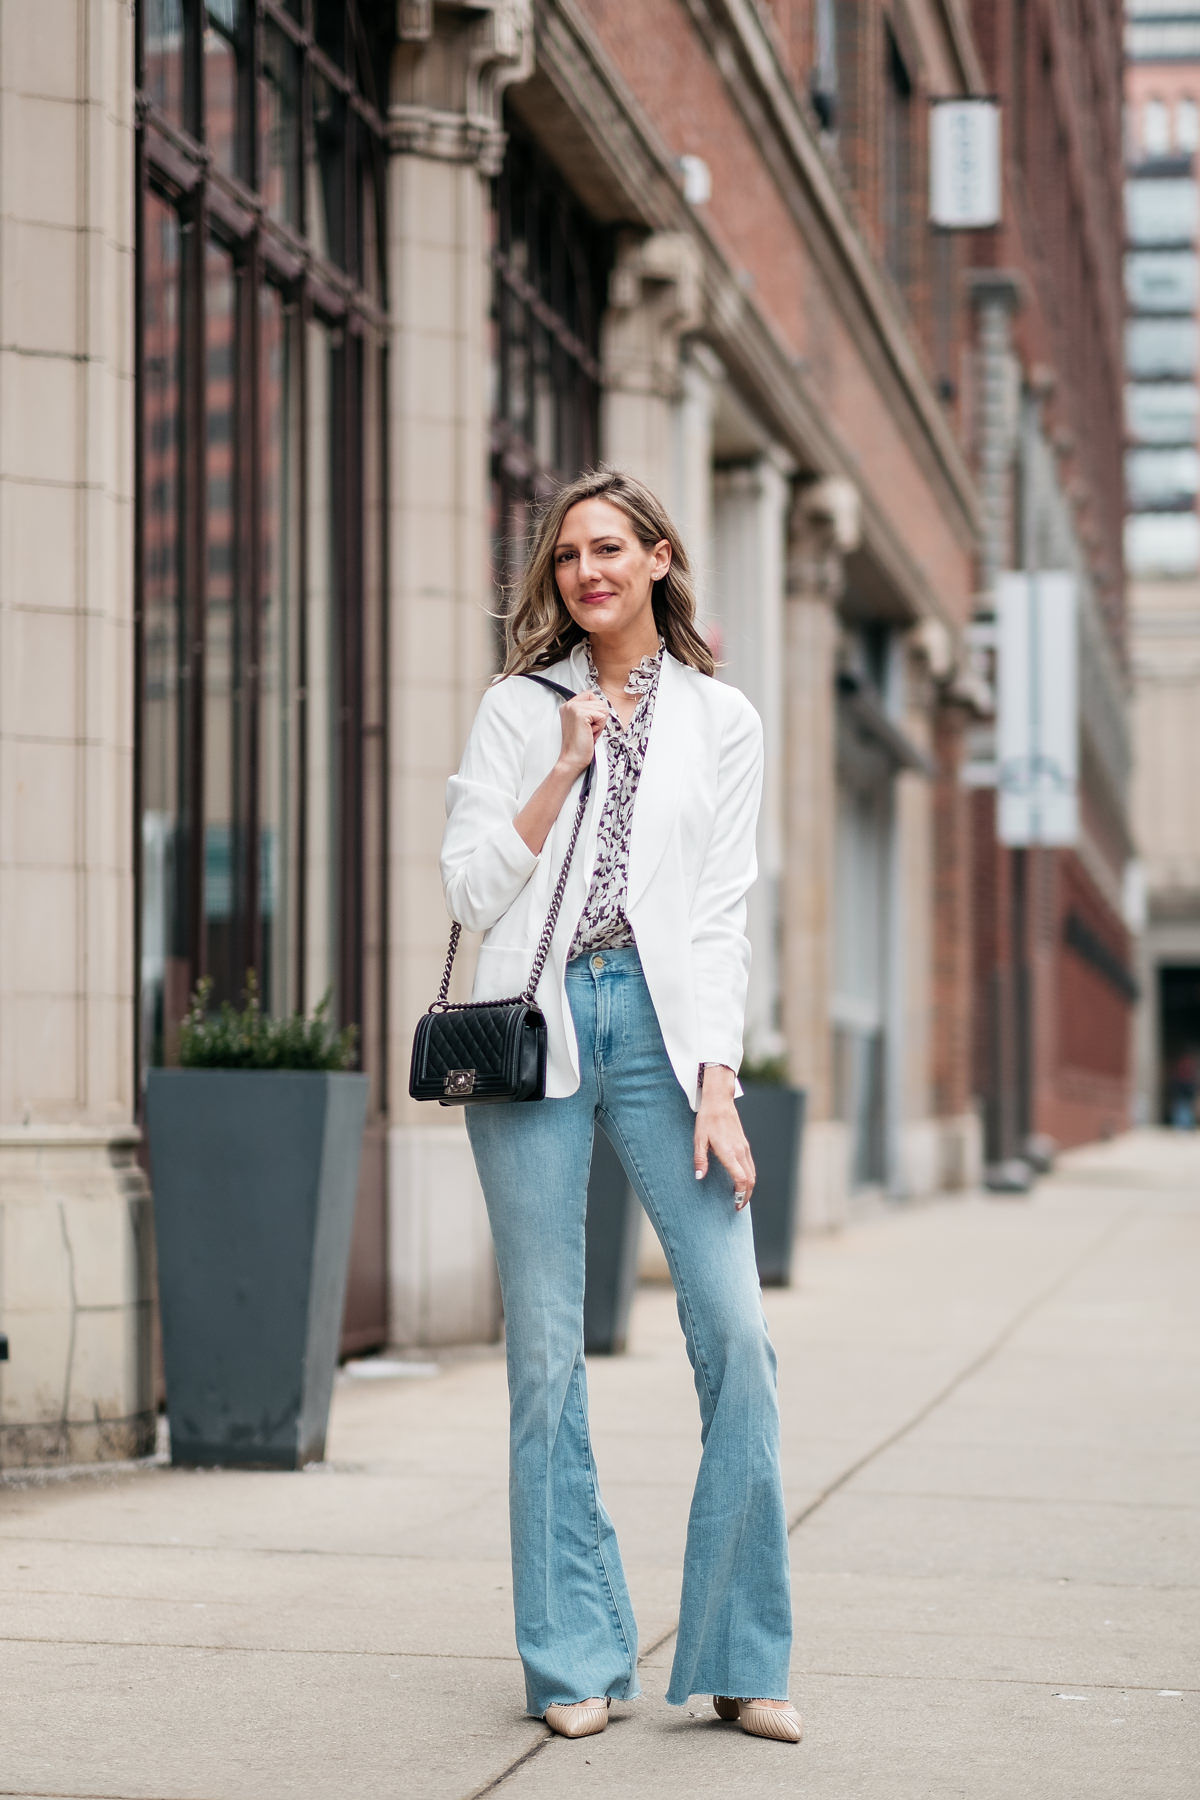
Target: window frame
column 174, row 164
column 562, row 299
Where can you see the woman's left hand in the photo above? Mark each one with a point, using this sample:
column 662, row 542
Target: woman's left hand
column 719, row 1130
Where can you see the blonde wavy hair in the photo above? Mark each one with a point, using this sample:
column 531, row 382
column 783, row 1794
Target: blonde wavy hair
column 539, row 629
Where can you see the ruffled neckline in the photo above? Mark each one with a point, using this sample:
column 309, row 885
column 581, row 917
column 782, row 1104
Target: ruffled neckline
column 642, row 679
column 639, row 680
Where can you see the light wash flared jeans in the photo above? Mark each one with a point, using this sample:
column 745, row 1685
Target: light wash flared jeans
column 575, row 1628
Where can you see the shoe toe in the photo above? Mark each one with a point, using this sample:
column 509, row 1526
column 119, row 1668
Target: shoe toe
column 581, row 1719
column 779, row 1722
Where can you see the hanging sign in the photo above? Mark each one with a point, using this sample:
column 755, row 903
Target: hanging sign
column 964, row 164
column 1037, row 712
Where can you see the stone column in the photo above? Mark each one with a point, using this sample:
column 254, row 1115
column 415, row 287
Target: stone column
column 911, row 1134
column 824, row 528
column 960, row 1164
column 446, row 143
column 75, row 1253
column 750, row 509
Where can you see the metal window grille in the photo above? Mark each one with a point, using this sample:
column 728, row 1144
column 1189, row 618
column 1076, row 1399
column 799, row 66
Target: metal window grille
column 261, row 549
column 550, row 266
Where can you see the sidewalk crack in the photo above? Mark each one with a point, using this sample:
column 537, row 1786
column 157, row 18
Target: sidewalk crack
column 977, row 1363
column 527, row 1756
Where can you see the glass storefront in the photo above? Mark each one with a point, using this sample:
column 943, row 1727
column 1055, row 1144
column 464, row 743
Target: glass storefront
column 261, row 519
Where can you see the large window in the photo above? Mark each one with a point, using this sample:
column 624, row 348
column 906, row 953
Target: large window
column 1161, row 210
column 1156, row 128
column 550, row 264
column 260, row 507
column 1163, row 412
column 1161, row 347
column 1161, row 479
column 1161, row 281
column 1162, row 543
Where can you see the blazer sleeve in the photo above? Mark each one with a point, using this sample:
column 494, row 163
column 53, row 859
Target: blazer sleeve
column 720, row 947
column 485, row 862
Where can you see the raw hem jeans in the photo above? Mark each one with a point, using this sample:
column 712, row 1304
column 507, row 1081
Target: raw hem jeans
column 575, row 1627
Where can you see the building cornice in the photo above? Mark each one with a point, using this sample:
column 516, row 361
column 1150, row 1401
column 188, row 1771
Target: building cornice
column 750, row 350
column 760, row 87
column 639, row 165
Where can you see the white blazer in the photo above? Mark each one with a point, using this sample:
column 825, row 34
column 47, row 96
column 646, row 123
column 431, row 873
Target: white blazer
column 691, row 859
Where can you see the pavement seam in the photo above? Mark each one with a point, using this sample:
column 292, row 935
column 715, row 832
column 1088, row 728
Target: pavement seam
column 973, row 1368
column 489, row 1787
column 977, row 1363
column 21, row 1537
column 257, row 1650
column 1186, row 1506
column 1030, row 1681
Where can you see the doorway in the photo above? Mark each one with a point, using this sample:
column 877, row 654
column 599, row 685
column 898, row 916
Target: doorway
column 1179, row 1030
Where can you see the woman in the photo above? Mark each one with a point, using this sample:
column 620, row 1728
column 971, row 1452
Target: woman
column 643, row 992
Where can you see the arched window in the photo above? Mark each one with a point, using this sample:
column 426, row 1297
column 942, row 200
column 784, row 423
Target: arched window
column 1156, row 128
column 1187, row 124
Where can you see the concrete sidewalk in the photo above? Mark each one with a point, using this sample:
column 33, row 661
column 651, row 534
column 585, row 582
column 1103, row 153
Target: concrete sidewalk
column 992, row 1455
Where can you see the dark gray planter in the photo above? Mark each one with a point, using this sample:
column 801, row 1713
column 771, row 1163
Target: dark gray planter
column 613, row 1222
column 773, row 1120
column 254, row 1174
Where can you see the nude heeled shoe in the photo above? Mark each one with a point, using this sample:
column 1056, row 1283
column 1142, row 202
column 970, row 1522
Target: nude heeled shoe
column 779, row 1722
column 583, row 1718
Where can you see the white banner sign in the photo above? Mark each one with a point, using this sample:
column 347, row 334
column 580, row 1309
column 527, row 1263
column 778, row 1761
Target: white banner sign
column 964, row 164
column 1037, row 714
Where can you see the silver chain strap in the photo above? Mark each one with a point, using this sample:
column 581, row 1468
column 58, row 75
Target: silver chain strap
column 455, row 934
column 543, row 950
column 560, row 888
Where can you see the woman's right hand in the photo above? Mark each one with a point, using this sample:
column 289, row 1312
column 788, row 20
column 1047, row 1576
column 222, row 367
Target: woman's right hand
column 582, row 719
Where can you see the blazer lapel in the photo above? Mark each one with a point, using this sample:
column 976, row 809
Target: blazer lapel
column 663, row 777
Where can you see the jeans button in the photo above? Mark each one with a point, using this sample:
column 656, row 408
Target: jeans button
column 597, row 962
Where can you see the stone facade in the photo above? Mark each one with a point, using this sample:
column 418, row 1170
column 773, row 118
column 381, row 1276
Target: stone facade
column 75, row 1233
column 784, row 349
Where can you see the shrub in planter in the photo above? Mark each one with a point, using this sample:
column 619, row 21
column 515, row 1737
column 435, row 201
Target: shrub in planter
column 254, row 1149
column 772, row 1114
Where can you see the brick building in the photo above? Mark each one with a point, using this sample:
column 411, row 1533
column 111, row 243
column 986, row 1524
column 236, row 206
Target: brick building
column 1052, row 948
column 315, row 302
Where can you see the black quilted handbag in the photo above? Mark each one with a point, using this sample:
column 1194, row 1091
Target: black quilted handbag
column 491, row 1050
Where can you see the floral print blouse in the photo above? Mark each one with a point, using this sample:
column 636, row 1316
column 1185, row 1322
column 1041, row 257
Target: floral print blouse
column 602, row 924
